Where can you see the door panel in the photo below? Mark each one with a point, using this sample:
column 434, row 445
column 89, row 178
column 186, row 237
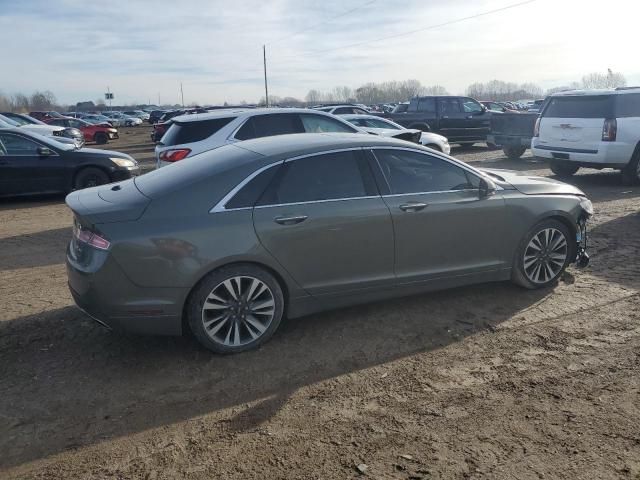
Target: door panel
column 442, row 227
column 338, row 246
column 452, row 119
column 454, row 234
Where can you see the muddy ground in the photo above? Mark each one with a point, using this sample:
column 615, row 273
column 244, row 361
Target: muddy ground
column 489, row 381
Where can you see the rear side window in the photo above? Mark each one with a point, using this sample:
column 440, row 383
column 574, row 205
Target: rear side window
column 321, row 177
column 248, row 195
column 270, row 125
column 588, row 106
column 189, row 132
column 427, row 105
column 628, row 105
column 321, row 123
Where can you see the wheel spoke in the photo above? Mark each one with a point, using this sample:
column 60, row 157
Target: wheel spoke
column 238, row 311
column 530, row 260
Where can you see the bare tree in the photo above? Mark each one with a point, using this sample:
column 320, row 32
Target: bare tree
column 503, row 91
column 313, row 97
column 5, row 103
column 609, row 80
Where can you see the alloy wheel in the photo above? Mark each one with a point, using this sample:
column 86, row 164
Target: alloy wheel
column 238, row 311
column 545, row 255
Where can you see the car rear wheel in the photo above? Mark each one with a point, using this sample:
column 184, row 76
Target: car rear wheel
column 563, row 169
column 101, row 138
column 235, row 308
column 492, row 146
column 90, row 177
column 631, row 173
column 543, row 255
column 514, row 152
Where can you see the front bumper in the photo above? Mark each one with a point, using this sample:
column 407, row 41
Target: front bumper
column 582, row 257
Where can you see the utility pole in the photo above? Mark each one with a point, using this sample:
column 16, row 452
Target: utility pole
column 266, row 89
column 182, row 94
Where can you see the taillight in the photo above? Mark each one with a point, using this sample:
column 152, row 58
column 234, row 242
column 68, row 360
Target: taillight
column 536, row 129
column 610, row 130
column 90, row 238
column 174, row 155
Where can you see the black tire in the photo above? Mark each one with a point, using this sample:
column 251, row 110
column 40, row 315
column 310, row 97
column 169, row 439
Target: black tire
column 631, row 173
column 101, row 138
column 514, row 152
column 434, row 147
column 563, row 169
column 523, row 277
column 90, row 177
column 492, row 146
column 211, row 337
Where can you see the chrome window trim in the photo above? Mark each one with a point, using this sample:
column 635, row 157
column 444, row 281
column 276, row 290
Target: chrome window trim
column 220, row 206
column 435, row 154
column 317, row 201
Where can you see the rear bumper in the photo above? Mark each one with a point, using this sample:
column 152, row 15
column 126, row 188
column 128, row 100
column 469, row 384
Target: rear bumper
column 509, row 140
column 602, row 155
column 112, row 300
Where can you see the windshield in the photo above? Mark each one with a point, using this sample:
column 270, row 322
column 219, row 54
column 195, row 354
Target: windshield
column 9, row 122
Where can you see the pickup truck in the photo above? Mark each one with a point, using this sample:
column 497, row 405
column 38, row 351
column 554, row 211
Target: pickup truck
column 462, row 120
column 513, row 131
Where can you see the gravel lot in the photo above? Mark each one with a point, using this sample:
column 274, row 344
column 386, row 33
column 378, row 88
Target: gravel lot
column 489, row 381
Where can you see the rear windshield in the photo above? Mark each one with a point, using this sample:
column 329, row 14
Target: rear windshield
column 189, row 132
column 591, row 106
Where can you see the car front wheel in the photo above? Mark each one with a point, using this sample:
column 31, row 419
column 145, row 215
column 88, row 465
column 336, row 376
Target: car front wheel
column 235, row 308
column 90, row 177
column 543, row 255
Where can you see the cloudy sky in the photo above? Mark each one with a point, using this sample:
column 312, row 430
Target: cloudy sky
column 144, row 49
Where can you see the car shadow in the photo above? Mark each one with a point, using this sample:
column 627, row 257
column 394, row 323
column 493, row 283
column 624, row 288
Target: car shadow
column 34, row 249
column 69, row 383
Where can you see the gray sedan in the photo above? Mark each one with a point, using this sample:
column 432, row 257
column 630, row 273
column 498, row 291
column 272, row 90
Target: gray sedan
column 233, row 240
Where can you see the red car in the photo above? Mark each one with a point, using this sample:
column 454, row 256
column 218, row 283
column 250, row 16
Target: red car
column 92, row 133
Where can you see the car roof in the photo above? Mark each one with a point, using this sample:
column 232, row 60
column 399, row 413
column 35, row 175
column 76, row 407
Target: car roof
column 600, row 92
column 247, row 112
column 292, row 145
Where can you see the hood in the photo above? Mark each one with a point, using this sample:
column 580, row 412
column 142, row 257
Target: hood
column 110, row 153
column 42, row 129
column 532, row 185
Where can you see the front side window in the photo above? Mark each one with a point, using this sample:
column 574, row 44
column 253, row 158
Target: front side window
column 471, row 106
column 321, row 124
column 415, row 172
column 321, row 177
column 17, row 145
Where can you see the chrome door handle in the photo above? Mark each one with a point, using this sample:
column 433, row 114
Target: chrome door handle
column 445, row 116
column 290, row 220
column 412, row 206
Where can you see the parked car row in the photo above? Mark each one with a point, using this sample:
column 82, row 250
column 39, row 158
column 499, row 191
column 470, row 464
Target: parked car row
column 60, row 134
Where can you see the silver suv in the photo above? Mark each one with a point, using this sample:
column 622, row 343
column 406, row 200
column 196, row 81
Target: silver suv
column 189, row 135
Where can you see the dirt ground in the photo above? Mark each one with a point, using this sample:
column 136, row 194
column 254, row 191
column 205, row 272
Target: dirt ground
column 489, row 381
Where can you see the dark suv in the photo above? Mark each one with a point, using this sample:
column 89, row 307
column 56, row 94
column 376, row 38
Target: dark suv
column 460, row 119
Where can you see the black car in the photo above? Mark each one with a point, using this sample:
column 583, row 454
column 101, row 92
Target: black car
column 155, row 115
column 31, row 163
column 462, row 120
column 22, row 119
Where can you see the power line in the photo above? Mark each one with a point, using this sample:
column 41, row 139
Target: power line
column 312, row 27
column 411, row 32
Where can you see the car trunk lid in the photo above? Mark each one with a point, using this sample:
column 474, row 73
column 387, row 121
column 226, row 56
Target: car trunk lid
column 116, row 202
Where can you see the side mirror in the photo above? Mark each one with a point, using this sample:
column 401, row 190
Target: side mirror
column 487, row 188
column 44, row 151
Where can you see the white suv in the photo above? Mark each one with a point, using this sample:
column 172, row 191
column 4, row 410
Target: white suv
column 591, row 128
column 189, row 135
